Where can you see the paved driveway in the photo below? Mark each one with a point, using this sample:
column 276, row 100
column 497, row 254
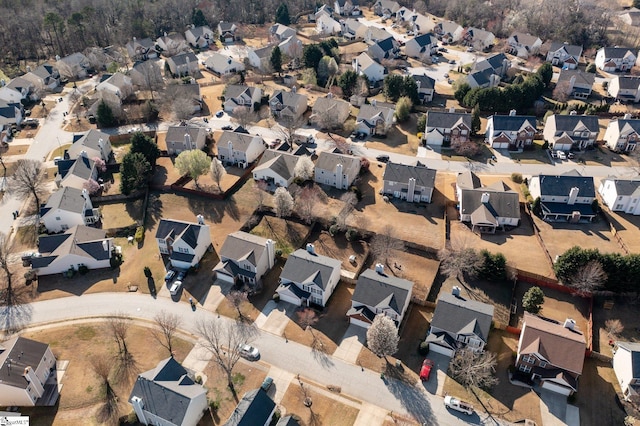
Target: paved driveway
column 351, row 344
column 556, row 411
column 438, row 375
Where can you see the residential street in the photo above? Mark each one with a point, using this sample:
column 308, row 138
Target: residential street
column 362, row 384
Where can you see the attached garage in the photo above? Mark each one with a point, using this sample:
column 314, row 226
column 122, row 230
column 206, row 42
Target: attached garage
column 554, row 387
column 440, row 350
column 290, row 298
column 500, row 145
column 359, row 322
column 224, row 277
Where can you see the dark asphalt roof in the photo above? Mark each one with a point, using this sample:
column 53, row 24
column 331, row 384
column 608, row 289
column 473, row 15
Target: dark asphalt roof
column 382, row 291
column 567, row 209
column 500, row 204
column 461, row 316
column 424, row 176
column 626, row 186
column 304, row 267
column 561, row 185
column 15, row 355
column 616, row 52
column 188, row 232
column 254, row 408
column 571, row 49
column 510, row 123
column 239, row 246
column 447, row 119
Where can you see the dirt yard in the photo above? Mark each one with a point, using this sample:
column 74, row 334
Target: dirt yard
column 416, row 222
column 401, row 139
column 324, row 411
column 78, row 344
column 119, row 215
column 413, row 332
column 288, row 235
column 627, row 226
column 596, row 396
column 622, row 309
column 210, row 95
column 339, row 248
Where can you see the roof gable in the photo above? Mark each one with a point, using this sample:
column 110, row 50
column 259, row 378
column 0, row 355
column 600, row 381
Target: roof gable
column 456, row 315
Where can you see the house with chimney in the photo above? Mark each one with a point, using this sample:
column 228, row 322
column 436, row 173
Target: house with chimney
column 426, row 87
column 141, row 49
column 622, row 134
column 276, row 168
column 479, row 39
column 117, row 86
column 573, row 131
column 625, row 88
column 168, row 395
column 459, row 323
column 17, row 90
column 386, row 8
column 28, row 375
column 80, row 246
column 443, row 127
column 241, row 95
column 281, row 32
column 199, row 37
column 326, row 25
column 615, row 59
column 498, row 64
column 288, row 105
column 185, row 138
column 185, row 243
column 363, row 64
column 422, row 46
column 239, row 149
column 409, row 183
column 308, row 278
column 486, row 208
column 245, row 258
column 183, row 64
column 576, row 83
column 337, row 170
column 353, row 29
column 449, row 31
column 512, row 132
column 375, row 118
column 524, row 45
column 66, row 208
column 552, row 353
column 621, row 195
column 566, row 197
column 378, row 293
column 95, row 143
column 564, row 55
column 626, row 365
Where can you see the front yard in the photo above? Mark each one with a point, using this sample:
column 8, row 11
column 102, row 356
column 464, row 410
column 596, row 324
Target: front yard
column 323, row 411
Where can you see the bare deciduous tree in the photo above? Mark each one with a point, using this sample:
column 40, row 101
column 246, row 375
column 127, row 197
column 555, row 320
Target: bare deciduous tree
column 382, row 337
column 588, row 278
column 307, row 317
column 126, row 368
column 613, row 327
column 283, row 202
column 562, row 91
column 260, row 193
column 28, row 180
column 108, row 412
column 304, row 168
column 217, row 172
column 306, row 202
column 474, row 369
column 287, row 127
column 223, row 339
column 237, row 298
column 349, row 200
column 384, row 243
column 168, row 324
column 341, row 143
column 459, row 260
column 6, row 248
column 244, row 116
column 465, row 146
column 182, row 108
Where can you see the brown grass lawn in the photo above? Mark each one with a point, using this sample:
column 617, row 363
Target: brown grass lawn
column 412, row 333
column 416, row 222
column 210, row 96
column 339, row 248
column 78, row 125
column 622, row 310
column 165, row 173
column 13, row 149
column 533, row 156
column 561, row 236
column 401, row 139
column 38, row 112
column 627, row 227
column 247, row 376
column 597, row 394
column 324, row 411
column 121, row 214
column 78, row 344
column 288, row 235
column 206, row 183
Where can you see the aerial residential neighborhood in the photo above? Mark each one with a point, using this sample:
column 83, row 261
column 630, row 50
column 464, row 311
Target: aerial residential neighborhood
column 354, row 212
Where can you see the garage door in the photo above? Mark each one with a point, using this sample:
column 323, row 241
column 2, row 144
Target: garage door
column 224, row 277
column 556, row 388
column 290, row 299
column 359, row 323
column 440, row 349
column 501, row 145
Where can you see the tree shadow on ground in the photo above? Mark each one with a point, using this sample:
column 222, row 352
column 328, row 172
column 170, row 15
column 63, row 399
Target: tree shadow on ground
column 412, row 399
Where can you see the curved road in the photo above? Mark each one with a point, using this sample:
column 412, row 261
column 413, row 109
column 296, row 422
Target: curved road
column 362, row 384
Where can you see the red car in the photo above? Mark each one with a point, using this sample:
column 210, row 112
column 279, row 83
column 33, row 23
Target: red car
column 427, row 365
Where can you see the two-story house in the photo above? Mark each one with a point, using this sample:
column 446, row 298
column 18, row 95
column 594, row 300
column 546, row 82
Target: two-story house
column 626, row 365
column 347, row 7
column 552, row 352
column 625, row 88
column 78, row 246
column 352, row 29
column 10, row 113
column 576, row 83
column 66, row 208
column 363, row 64
column 276, row 168
column 459, row 323
column 375, row 118
column 337, row 170
column 184, row 242
column 386, row 8
column 622, row 135
column 564, row 55
column 326, row 25
column 512, row 132
column 330, row 112
column 567, row 132
column 288, row 105
column 75, row 65
column 387, row 48
column 239, row 149
column 95, row 143
column 223, row 64
column 183, row 64
column 240, row 95
column 411, row 183
column 16, row 90
column 422, row 46
column 185, row 138
column 46, row 76
column 260, row 58
column 256, row 408
column 199, row 37
column 498, row 64
column 141, row 49
column 168, row 395
column 478, row 38
column 568, row 196
column 118, row 85
column 227, row 32
column 426, row 87
column 523, row 45
column 281, row 32
column 442, row 127
column 27, row 373
column 378, row 293
column 76, row 172
column 621, row 195
column 245, row 257
column 172, row 44
column 449, row 31
column 614, row 59
column 486, row 208
column 308, row 277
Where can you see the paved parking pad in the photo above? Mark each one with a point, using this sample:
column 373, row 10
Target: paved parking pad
column 556, row 411
column 275, row 317
column 435, row 384
column 351, row 344
column 281, row 380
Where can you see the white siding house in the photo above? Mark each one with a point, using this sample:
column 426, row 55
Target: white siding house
column 621, row 195
column 184, row 242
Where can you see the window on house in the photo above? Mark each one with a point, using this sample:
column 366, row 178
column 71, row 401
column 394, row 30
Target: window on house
column 618, row 206
column 543, row 364
column 528, row 359
column 525, row 368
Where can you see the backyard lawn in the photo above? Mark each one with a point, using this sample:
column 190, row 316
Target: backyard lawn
column 118, row 215
column 339, row 248
column 288, row 235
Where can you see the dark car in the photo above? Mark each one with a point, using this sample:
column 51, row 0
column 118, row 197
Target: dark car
column 227, row 127
column 383, row 158
column 266, row 384
column 219, row 113
column 170, row 274
column 181, row 275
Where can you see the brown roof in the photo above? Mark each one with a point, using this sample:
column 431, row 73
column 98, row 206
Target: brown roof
column 560, row 346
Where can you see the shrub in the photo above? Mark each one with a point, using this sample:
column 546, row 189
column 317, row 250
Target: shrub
column 83, row 269
column 423, row 348
column 351, row 234
column 516, row 177
column 334, row 229
column 199, row 379
column 115, row 261
column 139, row 234
column 278, row 252
column 147, row 272
column 356, row 191
column 276, row 297
column 545, row 145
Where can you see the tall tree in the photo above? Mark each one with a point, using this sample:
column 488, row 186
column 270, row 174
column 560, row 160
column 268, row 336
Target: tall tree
column 347, row 82
column 238, row 298
column 382, row 337
column 146, row 146
column 459, row 260
column 282, row 15
column 168, row 323
column 29, row 180
column 306, row 202
column 392, row 86
column 545, row 71
column 194, row 163
column 474, row 370
column 105, row 115
column 126, row 367
column 533, row 299
column 108, row 412
column 217, row 172
column 6, row 249
column 283, row 202
column 403, row 109
column 198, row 19
column 134, row 172
column 311, row 56
column 276, row 59
column 384, row 243
column 589, row 278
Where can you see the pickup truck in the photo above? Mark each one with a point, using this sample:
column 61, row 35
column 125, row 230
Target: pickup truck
column 458, row 405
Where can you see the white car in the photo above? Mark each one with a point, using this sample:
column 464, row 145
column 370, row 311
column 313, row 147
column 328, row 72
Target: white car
column 458, row 405
column 249, row 352
column 175, row 287
column 561, row 155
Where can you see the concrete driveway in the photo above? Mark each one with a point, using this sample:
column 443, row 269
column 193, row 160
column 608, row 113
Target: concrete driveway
column 435, row 384
column 351, row 344
column 556, row 411
column 275, row 317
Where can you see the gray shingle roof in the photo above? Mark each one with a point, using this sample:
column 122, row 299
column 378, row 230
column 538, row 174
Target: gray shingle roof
column 254, row 408
column 382, row 291
column 626, row 187
column 425, row 39
column 177, row 133
column 567, row 123
column 502, row 202
column 571, row 49
column 447, row 120
column 282, row 163
column 628, row 82
column 524, row 39
column 235, row 90
column 80, row 240
column 263, row 52
column 582, row 78
column 304, row 267
column 183, row 58
column 329, row 161
column 424, row 176
column 240, row 141
column 176, row 229
column 243, row 246
column 616, row 52
column 67, row 199
column 468, row 180
column 82, row 167
column 425, row 81
column 512, row 123
column 497, row 60
column 92, row 138
column 561, row 185
column 23, row 353
column 460, row 316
